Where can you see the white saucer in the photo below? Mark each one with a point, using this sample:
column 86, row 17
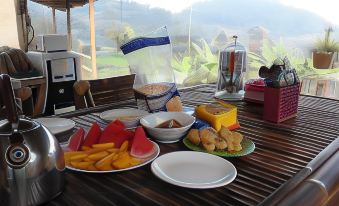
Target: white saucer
column 57, row 125
column 194, row 169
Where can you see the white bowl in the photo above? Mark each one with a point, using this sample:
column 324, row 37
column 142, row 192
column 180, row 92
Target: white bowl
column 167, row 135
column 130, row 117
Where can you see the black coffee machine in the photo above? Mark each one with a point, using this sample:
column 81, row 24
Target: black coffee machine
column 61, row 75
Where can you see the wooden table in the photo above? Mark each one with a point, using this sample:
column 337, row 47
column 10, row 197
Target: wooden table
column 281, row 159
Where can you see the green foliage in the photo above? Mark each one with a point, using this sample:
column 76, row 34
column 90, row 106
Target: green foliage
column 327, row 44
column 199, row 67
column 119, row 33
column 272, row 52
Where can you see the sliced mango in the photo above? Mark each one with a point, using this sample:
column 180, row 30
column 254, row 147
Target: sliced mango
column 124, row 146
column 105, row 162
column 98, row 156
column 104, row 145
column 78, row 157
column 113, row 150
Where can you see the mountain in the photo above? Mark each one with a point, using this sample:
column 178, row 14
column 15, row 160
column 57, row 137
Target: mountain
column 208, row 18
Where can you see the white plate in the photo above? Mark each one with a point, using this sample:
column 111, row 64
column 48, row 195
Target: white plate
column 145, row 161
column 57, row 125
column 130, row 117
column 194, row 169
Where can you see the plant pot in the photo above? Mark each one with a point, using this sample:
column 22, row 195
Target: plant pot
column 323, row 60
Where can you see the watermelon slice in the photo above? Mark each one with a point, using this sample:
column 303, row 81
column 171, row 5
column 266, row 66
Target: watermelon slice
column 76, row 140
column 119, row 138
column 111, row 130
column 93, row 135
column 141, row 146
column 118, row 122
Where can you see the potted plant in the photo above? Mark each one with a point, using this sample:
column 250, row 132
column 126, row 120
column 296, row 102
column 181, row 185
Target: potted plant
column 325, row 51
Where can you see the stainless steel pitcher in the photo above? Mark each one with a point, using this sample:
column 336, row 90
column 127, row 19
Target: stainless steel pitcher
column 31, row 160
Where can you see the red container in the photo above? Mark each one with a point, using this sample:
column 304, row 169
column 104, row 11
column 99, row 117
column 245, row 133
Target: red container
column 281, row 104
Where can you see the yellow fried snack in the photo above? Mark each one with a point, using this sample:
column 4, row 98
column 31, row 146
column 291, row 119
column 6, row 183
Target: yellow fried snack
column 209, row 146
column 174, row 105
column 224, row 132
column 98, row 156
column 229, row 140
column 207, row 136
column 220, row 143
column 104, row 145
column 193, row 136
column 237, row 139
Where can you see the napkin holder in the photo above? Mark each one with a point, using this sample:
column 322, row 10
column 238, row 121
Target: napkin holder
column 281, row 104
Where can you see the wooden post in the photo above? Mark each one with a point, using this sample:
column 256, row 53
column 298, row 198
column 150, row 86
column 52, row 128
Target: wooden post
column 69, row 29
column 92, row 36
column 54, row 21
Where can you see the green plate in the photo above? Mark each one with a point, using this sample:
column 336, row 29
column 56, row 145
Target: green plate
column 246, row 144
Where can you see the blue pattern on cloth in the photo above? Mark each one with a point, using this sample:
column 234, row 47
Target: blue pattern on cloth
column 143, row 42
column 200, row 124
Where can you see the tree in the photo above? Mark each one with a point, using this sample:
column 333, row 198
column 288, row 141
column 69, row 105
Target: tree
column 119, row 33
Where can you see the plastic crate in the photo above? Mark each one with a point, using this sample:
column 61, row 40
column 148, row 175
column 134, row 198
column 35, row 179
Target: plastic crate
column 281, row 104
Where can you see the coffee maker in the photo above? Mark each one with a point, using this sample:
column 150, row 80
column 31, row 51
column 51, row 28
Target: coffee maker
column 232, row 68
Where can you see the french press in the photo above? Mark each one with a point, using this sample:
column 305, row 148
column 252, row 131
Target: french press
column 232, row 67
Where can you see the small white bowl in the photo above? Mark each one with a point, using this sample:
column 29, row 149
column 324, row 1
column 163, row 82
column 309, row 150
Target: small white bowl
column 167, row 135
column 130, row 117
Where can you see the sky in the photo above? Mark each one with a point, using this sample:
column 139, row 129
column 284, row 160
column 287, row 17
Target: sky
column 328, row 9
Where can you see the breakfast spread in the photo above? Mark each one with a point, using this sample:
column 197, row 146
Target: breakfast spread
column 113, row 148
column 211, row 140
column 218, row 114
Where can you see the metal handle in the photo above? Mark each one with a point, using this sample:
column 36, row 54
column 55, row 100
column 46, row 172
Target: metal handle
column 8, row 100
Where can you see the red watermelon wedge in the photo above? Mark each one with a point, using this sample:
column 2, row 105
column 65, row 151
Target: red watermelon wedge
column 141, row 146
column 93, row 135
column 76, row 140
column 111, row 130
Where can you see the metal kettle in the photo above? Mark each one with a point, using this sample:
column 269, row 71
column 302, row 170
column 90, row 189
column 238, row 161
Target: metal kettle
column 31, row 160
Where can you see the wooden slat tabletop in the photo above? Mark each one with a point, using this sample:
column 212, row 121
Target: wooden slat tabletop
column 281, row 152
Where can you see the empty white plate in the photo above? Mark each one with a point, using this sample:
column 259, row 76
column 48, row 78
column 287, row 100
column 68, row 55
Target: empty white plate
column 130, row 117
column 57, row 125
column 194, row 169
